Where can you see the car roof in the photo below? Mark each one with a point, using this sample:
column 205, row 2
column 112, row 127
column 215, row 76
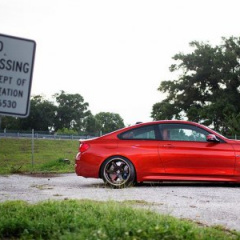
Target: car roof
column 137, row 125
column 165, row 122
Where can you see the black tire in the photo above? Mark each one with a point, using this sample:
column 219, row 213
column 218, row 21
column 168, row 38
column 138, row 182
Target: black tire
column 118, row 172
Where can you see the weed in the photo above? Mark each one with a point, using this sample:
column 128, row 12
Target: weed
column 72, row 219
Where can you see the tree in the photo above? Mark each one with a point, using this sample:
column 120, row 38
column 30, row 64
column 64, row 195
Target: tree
column 91, row 125
column 208, row 87
column 10, row 123
column 109, row 122
column 233, row 123
column 69, row 114
column 71, row 111
column 41, row 117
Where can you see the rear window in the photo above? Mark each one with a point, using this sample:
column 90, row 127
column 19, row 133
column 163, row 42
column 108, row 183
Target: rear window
column 141, row 133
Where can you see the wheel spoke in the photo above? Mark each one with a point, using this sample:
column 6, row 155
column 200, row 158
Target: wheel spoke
column 122, row 166
column 114, row 165
column 110, row 170
column 113, row 176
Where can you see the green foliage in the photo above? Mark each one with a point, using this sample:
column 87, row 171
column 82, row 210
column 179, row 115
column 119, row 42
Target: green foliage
column 104, row 122
column 165, row 110
column 67, row 131
column 208, row 87
column 109, row 121
column 71, row 111
column 233, row 123
column 73, row 219
column 69, row 115
column 16, row 155
column 42, row 115
column 91, row 125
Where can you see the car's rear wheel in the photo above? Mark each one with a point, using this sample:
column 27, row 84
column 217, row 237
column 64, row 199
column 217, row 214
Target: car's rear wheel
column 118, row 172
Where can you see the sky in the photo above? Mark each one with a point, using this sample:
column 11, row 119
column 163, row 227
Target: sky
column 114, row 53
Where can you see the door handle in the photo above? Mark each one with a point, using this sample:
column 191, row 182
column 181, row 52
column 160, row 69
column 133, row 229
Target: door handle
column 135, row 145
column 168, row 146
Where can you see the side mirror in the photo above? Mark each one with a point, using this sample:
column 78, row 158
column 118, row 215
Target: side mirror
column 212, row 138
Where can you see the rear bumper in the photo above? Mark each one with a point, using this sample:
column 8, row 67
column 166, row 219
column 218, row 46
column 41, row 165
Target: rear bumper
column 86, row 166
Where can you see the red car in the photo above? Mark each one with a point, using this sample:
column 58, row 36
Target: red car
column 157, row 151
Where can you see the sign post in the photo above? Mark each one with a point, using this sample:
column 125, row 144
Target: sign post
column 16, row 70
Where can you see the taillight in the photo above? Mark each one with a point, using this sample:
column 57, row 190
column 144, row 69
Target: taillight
column 83, row 147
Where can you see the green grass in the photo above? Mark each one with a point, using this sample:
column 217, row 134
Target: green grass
column 16, row 155
column 72, row 219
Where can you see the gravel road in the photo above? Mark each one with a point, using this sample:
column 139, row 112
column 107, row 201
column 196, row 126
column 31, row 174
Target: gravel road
column 207, row 203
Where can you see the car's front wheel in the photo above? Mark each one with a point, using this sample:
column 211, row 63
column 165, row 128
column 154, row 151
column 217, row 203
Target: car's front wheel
column 118, row 172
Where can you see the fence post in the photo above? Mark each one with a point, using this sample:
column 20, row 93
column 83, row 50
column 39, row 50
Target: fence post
column 32, row 148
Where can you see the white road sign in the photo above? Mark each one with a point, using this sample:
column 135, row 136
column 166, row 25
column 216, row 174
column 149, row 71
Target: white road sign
column 16, row 70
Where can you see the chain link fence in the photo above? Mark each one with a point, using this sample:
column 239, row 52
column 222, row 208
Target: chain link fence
column 38, row 151
column 46, row 135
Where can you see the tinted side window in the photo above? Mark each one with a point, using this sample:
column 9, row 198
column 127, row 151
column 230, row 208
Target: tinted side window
column 146, row 133
column 182, row 132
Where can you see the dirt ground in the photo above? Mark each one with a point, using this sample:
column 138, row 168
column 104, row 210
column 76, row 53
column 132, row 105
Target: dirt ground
column 207, row 203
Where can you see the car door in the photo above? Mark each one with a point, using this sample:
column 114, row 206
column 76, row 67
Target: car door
column 140, row 145
column 184, row 150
